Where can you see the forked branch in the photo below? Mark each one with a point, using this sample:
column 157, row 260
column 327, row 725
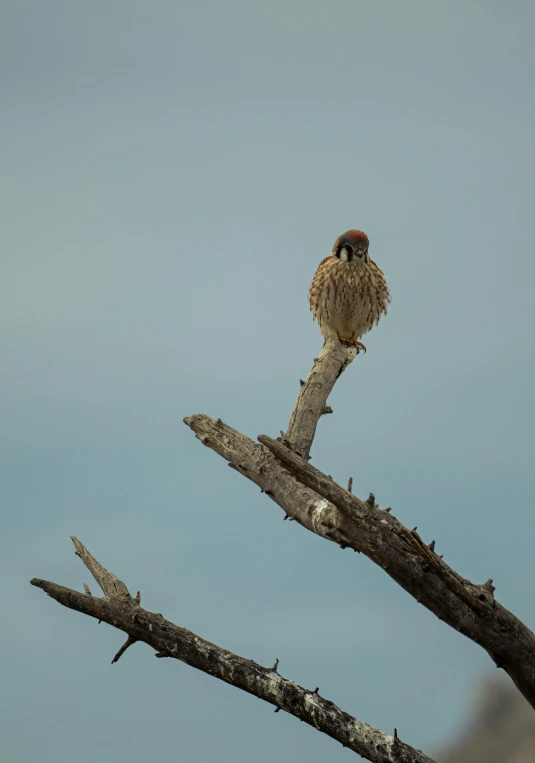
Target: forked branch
column 318, row 503
column 119, row 609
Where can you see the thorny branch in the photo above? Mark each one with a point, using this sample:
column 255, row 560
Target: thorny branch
column 314, row 500
column 119, row 609
column 318, row 503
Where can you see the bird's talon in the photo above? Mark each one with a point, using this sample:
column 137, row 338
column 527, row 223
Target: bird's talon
column 358, row 345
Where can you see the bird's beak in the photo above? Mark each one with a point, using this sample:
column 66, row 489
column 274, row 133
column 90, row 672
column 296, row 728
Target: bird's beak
column 360, row 252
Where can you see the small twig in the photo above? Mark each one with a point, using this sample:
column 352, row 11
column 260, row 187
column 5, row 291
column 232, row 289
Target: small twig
column 109, row 583
column 129, row 641
column 350, row 485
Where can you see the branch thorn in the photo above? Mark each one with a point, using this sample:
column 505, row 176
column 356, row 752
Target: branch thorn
column 129, row 641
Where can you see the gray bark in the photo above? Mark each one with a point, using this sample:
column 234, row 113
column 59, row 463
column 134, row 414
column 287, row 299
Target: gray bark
column 119, row 609
column 322, row 506
column 311, row 401
column 325, row 508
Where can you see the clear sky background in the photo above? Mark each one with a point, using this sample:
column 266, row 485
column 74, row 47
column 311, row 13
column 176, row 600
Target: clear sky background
column 171, row 175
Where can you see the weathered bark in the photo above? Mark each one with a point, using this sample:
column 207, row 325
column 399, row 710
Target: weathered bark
column 468, row 607
column 306, row 495
column 311, row 401
column 119, row 609
column 325, row 508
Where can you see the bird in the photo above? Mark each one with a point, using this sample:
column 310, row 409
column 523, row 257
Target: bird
column 348, row 294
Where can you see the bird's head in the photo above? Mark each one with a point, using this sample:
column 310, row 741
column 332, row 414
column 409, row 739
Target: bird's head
column 352, row 246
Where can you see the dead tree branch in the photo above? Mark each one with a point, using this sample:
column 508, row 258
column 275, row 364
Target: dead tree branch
column 325, row 508
column 122, row 611
column 311, row 401
column 468, row 607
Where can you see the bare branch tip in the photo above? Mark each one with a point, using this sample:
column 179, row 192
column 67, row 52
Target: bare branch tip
column 275, row 665
column 86, row 590
column 129, row 641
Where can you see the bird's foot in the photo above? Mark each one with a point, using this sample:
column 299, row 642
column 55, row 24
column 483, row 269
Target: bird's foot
column 354, row 342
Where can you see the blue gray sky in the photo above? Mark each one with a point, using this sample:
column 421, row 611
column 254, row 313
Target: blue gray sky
column 171, row 175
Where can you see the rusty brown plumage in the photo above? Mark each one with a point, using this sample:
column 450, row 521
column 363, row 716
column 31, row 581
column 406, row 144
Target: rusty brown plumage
column 348, row 294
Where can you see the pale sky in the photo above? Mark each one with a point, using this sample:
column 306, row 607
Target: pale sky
column 172, row 173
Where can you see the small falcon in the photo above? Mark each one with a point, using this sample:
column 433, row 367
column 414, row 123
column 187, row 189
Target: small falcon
column 348, row 293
